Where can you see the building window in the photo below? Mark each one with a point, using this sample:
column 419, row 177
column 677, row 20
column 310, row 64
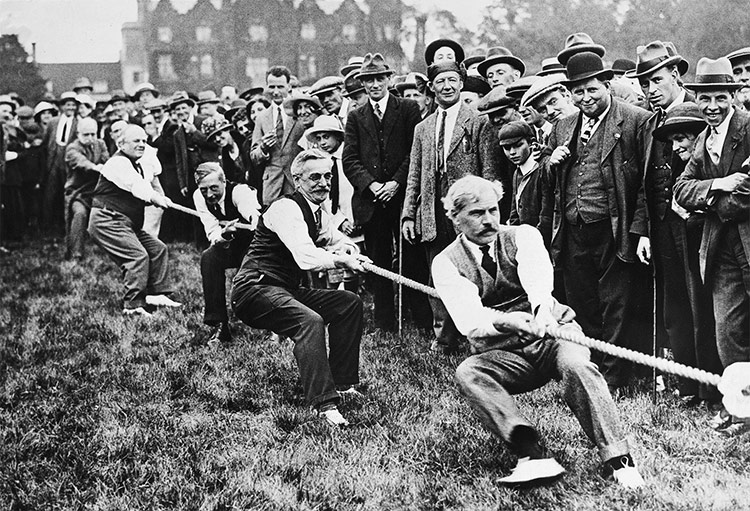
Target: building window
column 255, row 69
column 307, row 32
column 203, row 34
column 166, row 68
column 164, row 34
column 349, row 33
column 258, row 33
column 207, row 66
column 307, row 67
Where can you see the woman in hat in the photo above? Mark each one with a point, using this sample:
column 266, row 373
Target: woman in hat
column 219, row 131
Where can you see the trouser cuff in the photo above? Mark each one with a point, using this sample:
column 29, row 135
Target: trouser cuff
column 332, row 397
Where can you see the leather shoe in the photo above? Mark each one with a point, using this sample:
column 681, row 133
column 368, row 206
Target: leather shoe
column 221, row 334
column 529, row 470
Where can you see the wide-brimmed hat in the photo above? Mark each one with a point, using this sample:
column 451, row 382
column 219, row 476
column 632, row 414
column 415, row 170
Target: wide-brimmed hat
column 354, row 64
column 714, row 75
column 326, row 84
column 685, row 117
column 67, row 96
column 742, row 53
column 652, row 57
column 325, row 124
column 517, row 89
column 208, row 96
column 180, row 97
column 494, row 101
column 235, row 106
column 374, row 65
column 476, row 84
column 514, row 131
column 541, row 87
column 212, row 126
column 44, row 106
column 146, row 86
column 476, row 56
column 247, row 94
column 584, row 66
column 156, row 104
column 82, row 83
column 5, row 99
column 352, row 85
column 118, row 95
column 500, row 55
column 295, row 98
column 413, row 80
column 551, row 66
column 682, row 65
column 85, row 99
column 622, row 66
column 577, row 43
column 434, row 46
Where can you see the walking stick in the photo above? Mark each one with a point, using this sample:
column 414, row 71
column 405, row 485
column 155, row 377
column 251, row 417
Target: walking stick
column 654, row 330
column 400, row 286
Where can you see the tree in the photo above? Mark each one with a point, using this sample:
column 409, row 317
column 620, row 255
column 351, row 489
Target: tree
column 18, row 73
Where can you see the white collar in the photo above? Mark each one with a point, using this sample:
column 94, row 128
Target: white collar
column 451, row 110
column 527, row 166
column 382, row 103
column 477, row 251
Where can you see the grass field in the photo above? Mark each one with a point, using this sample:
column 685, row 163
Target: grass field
column 100, row 412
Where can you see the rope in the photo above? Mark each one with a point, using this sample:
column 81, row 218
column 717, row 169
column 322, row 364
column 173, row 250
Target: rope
column 577, row 337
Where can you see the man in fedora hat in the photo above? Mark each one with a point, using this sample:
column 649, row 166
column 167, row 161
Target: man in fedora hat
column 354, row 91
column 275, row 138
column 377, row 143
column 593, row 176
column 716, row 180
column 83, row 86
column 740, row 60
column 208, row 103
column 660, row 227
column 471, row 63
column 500, row 67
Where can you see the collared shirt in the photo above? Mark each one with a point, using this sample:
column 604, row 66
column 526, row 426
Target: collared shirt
column 718, row 135
column 275, row 109
column 346, row 192
column 343, row 112
column 65, row 124
column 151, row 160
column 461, row 296
column 121, row 171
column 243, row 197
column 599, row 119
column 383, row 104
column 526, row 168
column 451, row 114
column 678, row 100
column 284, row 217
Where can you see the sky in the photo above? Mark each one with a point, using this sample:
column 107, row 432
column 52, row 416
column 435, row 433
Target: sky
column 89, row 30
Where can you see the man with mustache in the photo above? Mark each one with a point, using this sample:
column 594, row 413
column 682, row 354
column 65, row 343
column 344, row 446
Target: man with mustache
column 496, row 282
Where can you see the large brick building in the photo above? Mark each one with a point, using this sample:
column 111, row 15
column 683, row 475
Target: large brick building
column 208, row 47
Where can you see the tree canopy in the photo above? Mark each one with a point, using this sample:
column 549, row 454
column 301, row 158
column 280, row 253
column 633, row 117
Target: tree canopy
column 17, row 72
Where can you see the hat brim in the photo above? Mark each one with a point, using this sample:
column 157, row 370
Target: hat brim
column 429, row 53
column 401, row 87
column 174, row 104
column 324, row 90
column 366, row 74
column 312, row 131
column 548, row 72
column 208, row 101
column 137, row 95
column 470, row 61
column 349, row 94
column 344, row 71
column 730, row 86
column 738, row 55
column 564, row 56
column 497, row 108
column 539, row 94
column 512, row 61
column 604, row 74
column 215, row 132
column 671, row 61
column 661, row 133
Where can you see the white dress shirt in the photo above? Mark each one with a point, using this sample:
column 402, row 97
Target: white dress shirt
column 346, row 192
column 122, row 173
column 243, row 197
column 717, row 136
column 284, row 217
column 450, row 124
column 461, row 296
column 382, row 103
column 599, row 119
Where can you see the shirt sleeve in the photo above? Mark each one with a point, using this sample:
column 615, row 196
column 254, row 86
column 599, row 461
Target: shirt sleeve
column 246, row 200
column 210, row 223
column 534, row 267
column 121, row 172
column 284, row 217
column 461, row 298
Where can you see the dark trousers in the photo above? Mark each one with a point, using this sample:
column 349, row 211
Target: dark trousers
column 214, row 262
column 53, row 209
column 602, row 290
column 730, row 278
column 302, row 314
column 141, row 257
column 76, row 222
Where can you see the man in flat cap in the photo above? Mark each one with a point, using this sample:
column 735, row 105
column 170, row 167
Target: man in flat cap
column 330, row 92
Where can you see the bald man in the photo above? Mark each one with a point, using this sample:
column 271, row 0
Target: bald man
column 116, row 223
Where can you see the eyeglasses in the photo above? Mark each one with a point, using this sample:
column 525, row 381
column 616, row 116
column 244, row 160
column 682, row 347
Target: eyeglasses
column 316, row 176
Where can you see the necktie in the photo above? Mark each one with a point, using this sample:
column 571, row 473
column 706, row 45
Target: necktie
column 487, row 262
column 441, row 144
column 138, row 168
column 586, row 134
column 378, row 112
column 711, row 146
column 334, row 186
column 279, row 126
column 64, row 134
column 215, row 210
column 319, row 220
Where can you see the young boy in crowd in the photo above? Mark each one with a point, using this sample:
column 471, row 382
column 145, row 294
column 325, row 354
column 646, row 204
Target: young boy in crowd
column 518, row 142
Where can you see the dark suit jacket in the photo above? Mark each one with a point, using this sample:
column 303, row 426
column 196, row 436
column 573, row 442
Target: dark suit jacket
column 276, row 166
column 56, row 153
column 693, row 187
column 623, row 156
column 463, row 158
column 364, row 164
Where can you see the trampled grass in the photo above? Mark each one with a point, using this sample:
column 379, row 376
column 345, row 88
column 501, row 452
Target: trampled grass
column 99, row 411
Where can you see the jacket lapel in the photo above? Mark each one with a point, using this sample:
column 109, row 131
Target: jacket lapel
column 289, row 129
column 464, row 115
column 368, row 120
column 612, row 129
column 390, row 117
column 735, row 133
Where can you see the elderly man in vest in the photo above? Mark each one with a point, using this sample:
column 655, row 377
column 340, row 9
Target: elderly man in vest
column 116, row 224
column 716, row 180
column 296, row 234
column 496, row 282
column 228, row 212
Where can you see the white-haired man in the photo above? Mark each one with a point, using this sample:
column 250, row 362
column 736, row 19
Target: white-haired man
column 496, row 283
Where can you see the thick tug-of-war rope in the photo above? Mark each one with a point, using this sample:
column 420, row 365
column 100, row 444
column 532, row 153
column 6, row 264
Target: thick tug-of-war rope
column 734, row 385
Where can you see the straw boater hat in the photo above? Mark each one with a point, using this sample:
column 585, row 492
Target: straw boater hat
column 714, row 75
column 374, row 65
column 434, row 46
column 541, row 87
column 500, row 55
column 353, row 64
column 180, row 97
column 652, row 57
column 584, row 66
column 476, row 56
column 577, row 43
column 324, row 124
column 683, row 118
column 326, row 84
column 551, row 66
column 146, row 86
